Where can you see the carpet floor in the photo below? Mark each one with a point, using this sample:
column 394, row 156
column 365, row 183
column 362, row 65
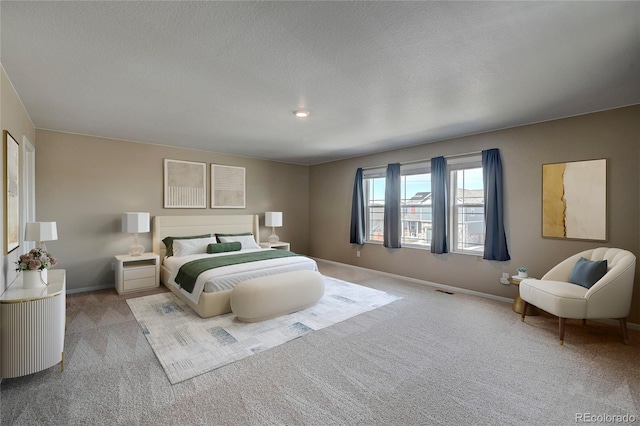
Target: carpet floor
column 187, row 345
column 430, row 358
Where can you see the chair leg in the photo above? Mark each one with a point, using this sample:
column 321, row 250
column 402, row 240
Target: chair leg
column 561, row 322
column 525, row 305
column 625, row 332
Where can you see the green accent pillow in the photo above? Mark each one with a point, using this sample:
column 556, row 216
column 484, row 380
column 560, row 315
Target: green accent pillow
column 224, row 247
column 586, row 273
column 168, row 241
column 243, row 234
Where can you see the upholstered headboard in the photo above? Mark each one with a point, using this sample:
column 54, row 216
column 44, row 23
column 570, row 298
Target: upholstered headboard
column 179, row 226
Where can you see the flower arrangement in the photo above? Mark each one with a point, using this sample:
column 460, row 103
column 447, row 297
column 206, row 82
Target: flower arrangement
column 36, row 260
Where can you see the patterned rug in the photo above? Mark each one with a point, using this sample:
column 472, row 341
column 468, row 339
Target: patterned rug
column 187, row 345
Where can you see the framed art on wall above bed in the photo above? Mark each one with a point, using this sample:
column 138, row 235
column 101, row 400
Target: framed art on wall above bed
column 185, row 184
column 227, row 187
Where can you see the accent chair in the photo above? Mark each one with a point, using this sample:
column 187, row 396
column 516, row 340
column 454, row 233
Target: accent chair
column 593, row 284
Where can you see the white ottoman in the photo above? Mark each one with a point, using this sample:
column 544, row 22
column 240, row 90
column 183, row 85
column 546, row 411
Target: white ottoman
column 259, row 299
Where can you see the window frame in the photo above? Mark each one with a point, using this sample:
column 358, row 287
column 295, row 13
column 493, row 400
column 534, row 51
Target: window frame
column 467, row 162
column 406, row 169
column 367, row 175
column 454, row 164
column 412, row 169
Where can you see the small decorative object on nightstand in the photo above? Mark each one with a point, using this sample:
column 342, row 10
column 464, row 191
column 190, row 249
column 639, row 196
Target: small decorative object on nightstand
column 282, row 245
column 135, row 273
column 523, row 272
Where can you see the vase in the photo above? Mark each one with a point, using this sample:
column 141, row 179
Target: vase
column 34, row 279
column 523, row 274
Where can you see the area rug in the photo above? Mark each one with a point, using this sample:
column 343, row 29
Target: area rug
column 187, row 345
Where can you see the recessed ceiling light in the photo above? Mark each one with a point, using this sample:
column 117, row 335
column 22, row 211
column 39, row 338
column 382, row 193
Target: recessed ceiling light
column 301, row 113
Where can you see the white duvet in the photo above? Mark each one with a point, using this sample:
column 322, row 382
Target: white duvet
column 227, row 277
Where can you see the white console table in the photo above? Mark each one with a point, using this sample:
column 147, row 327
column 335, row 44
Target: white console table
column 33, row 325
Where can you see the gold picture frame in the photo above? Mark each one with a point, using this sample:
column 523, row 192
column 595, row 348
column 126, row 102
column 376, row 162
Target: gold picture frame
column 185, row 184
column 11, row 193
column 574, row 200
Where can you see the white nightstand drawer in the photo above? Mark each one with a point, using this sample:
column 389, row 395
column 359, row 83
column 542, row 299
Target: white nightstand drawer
column 139, row 283
column 135, row 273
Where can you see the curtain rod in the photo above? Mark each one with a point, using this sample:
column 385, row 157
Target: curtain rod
column 467, row 154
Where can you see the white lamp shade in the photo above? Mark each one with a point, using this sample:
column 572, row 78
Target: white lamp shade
column 273, row 219
column 135, row 222
column 41, row 231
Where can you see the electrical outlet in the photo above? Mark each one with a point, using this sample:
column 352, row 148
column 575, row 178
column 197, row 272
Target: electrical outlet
column 113, row 266
column 357, row 253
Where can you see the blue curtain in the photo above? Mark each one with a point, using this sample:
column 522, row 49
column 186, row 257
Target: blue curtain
column 495, row 239
column 392, row 207
column 439, row 205
column 357, row 211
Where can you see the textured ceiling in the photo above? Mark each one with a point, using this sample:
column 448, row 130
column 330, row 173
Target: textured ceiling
column 226, row 76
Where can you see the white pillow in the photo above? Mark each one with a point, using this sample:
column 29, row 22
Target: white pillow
column 193, row 246
column 247, row 241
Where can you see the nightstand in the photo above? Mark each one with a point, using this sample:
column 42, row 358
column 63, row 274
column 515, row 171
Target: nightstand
column 135, row 273
column 281, row 245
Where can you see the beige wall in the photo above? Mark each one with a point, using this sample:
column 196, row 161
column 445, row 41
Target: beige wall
column 14, row 118
column 612, row 134
column 86, row 183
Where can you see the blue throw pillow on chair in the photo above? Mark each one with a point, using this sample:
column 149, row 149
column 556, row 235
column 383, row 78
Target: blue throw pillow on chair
column 587, row 272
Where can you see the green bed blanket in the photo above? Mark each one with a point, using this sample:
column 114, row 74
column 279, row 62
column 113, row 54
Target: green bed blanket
column 189, row 272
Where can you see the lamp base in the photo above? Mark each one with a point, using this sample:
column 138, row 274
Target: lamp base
column 273, row 238
column 136, row 249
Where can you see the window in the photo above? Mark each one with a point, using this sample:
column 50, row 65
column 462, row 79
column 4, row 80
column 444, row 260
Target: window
column 373, row 182
column 415, row 204
column 466, row 205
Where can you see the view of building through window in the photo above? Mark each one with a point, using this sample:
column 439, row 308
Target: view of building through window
column 468, row 210
column 466, row 207
column 374, row 188
column 415, row 208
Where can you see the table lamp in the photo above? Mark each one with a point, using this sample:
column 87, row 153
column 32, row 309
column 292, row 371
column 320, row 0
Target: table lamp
column 132, row 223
column 41, row 232
column 273, row 219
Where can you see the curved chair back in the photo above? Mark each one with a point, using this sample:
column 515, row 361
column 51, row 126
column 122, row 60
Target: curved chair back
column 610, row 297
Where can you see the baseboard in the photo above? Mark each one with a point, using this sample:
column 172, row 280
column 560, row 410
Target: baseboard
column 456, row 289
column 85, row 289
column 427, row 283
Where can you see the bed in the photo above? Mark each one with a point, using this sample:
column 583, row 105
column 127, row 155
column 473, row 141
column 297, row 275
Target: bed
column 216, row 286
